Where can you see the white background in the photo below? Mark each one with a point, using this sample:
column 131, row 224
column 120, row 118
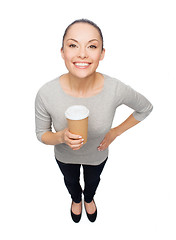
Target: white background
column 137, row 194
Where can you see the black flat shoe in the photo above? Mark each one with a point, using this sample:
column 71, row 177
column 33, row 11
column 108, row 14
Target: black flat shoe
column 75, row 217
column 92, row 217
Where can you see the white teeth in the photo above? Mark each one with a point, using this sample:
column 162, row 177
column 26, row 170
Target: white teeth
column 81, row 64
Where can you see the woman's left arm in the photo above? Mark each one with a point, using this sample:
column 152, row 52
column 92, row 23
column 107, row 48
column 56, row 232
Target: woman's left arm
column 131, row 98
column 117, row 131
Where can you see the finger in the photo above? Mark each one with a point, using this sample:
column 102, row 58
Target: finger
column 73, row 142
column 102, row 143
column 75, row 147
column 73, row 136
column 102, row 147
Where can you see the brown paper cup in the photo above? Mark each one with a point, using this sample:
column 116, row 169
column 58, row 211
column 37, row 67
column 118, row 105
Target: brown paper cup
column 77, row 118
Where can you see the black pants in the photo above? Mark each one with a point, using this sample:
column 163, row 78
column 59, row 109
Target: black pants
column 91, row 174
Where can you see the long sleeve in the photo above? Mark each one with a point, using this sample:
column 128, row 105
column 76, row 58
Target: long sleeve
column 42, row 118
column 134, row 100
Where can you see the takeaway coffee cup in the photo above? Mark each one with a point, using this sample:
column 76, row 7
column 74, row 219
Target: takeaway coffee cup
column 77, row 118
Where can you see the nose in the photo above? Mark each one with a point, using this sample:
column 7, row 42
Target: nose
column 82, row 52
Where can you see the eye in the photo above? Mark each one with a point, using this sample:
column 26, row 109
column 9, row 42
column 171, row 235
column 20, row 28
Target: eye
column 72, row 45
column 92, row 46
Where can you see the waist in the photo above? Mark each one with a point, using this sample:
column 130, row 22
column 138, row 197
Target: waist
column 85, row 155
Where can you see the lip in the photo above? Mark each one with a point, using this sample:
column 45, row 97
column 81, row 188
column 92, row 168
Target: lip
column 83, row 66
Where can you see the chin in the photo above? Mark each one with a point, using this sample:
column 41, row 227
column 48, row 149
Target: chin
column 82, row 74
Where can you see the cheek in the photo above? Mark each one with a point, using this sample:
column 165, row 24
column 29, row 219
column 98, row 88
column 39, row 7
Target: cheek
column 67, row 61
column 96, row 60
column 68, row 55
column 96, row 56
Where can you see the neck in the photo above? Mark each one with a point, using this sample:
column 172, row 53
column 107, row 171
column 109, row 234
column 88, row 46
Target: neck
column 81, row 85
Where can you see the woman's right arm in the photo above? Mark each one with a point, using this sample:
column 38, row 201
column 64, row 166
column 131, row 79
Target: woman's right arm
column 72, row 140
column 44, row 131
column 51, row 138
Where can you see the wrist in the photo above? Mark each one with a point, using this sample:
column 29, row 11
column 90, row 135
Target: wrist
column 59, row 137
column 118, row 131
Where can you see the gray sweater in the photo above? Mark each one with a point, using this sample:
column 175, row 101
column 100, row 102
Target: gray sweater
column 51, row 103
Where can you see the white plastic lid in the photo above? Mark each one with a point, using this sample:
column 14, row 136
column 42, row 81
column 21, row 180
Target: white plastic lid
column 77, row 112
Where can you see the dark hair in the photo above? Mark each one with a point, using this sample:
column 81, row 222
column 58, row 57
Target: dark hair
column 82, row 21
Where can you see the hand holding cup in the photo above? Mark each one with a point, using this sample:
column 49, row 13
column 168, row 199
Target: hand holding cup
column 77, row 119
column 72, row 140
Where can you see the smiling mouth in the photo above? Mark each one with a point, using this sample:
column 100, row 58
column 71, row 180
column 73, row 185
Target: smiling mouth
column 81, row 65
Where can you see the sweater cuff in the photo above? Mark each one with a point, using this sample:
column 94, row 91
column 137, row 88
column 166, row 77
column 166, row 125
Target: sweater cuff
column 140, row 116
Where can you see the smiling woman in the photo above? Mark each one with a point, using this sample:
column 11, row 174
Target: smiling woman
column 82, row 50
column 92, row 44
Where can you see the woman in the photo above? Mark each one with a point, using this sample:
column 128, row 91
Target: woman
column 82, row 49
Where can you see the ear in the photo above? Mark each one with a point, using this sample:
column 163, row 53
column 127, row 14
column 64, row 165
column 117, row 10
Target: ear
column 62, row 52
column 102, row 54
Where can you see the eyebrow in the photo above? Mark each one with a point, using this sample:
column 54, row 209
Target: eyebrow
column 77, row 41
column 93, row 40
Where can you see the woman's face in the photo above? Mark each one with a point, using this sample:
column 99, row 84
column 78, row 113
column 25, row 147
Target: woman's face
column 82, row 50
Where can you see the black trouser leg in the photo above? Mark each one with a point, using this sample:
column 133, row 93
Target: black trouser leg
column 92, row 179
column 71, row 174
